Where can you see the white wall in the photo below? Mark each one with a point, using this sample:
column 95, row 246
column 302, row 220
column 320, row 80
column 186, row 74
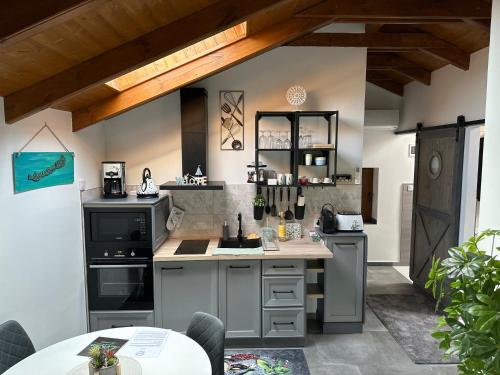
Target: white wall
column 490, row 199
column 453, row 92
column 333, row 77
column 41, row 254
column 388, row 152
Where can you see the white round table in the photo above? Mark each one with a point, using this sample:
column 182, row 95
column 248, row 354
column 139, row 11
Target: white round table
column 180, row 356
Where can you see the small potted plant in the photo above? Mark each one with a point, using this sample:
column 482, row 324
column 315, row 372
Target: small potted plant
column 258, row 206
column 103, row 361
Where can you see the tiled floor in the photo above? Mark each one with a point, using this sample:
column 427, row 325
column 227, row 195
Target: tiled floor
column 374, row 352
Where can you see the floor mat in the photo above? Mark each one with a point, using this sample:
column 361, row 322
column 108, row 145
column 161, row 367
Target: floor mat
column 410, row 319
column 265, row 362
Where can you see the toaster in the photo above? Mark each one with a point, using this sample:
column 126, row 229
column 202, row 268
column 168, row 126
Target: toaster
column 349, row 222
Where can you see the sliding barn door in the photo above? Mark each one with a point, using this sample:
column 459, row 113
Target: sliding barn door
column 436, row 198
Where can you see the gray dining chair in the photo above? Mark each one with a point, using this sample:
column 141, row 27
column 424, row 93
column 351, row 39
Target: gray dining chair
column 15, row 345
column 208, row 331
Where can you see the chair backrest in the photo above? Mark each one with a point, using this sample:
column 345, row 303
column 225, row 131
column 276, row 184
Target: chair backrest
column 208, row 331
column 15, row 345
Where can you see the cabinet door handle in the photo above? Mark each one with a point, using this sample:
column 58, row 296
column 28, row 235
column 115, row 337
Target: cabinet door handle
column 345, row 244
column 239, row 267
column 283, row 291
column 172, row 268
column 117, row 326
column 284, row 324
column 291, row 266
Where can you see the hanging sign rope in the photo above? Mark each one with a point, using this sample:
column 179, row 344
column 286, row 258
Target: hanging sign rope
column 36, row 170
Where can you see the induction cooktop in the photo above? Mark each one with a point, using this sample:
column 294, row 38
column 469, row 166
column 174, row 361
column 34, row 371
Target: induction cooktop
column 192, row 247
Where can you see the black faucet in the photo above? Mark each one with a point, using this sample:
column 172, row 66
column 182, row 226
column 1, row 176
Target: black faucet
column 240, row 232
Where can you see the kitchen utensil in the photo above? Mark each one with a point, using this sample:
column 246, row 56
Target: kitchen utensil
column 308, row 159
column 268, row 207
column 288, row 212
column 281, row 200
column 281, row 178
column 320, row 160
column 227, row 109
column 230, row 99
column 274, row 210
column 288, row 179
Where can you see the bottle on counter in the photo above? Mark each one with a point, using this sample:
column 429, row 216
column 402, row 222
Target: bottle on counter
column 282, row 228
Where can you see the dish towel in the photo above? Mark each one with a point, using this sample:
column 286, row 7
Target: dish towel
column 175, row 218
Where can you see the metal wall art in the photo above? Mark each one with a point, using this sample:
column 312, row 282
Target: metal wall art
column 232, row 120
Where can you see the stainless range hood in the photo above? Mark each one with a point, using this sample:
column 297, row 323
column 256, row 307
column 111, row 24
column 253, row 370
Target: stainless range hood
column 194, row 139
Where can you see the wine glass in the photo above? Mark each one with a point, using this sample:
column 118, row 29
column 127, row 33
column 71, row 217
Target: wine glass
column 301, row 137
column 262, row 140
column 271, row 140
column 287, row 143
column 277, row 141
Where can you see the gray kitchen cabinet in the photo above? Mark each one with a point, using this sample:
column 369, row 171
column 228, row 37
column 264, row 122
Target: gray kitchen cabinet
column 183, row 288
column 100, row 320
column 239, row 298
column 344, row 283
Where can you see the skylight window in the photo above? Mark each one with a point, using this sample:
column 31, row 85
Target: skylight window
column 181, row 57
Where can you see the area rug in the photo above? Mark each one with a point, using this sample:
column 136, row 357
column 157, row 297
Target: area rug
column 410, row 319
column 265, row 362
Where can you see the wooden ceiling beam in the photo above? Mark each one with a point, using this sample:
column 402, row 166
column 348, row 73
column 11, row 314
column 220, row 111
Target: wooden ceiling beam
column 456, row 57
column 373, row 40
column 397, row 21
column 21, row 19
column 397, row 64
column 131, row 55
column 401, row 9
column 484, row 24
column 196, row 70
column 386, row 83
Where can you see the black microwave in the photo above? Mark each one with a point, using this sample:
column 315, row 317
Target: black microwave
column 126, row 226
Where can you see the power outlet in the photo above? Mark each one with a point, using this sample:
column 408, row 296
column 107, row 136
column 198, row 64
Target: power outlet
column 81, row 184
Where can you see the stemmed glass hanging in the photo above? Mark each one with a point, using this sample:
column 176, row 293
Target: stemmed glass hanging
column 263, row 140
column 287, row 143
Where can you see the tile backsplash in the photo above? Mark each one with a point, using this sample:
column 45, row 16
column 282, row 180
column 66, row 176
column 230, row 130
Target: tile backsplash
column 206, row 211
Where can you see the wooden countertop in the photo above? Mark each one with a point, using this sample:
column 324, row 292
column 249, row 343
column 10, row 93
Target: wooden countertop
column 304, row 248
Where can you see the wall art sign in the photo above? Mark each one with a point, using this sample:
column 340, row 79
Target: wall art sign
column 232, row 120
column 37, row 170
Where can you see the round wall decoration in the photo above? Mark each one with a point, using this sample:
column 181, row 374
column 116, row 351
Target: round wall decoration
column 435, row 165
column 296, row 95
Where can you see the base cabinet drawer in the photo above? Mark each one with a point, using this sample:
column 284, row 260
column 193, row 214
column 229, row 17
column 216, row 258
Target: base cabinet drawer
column 106, row 320
column 283, row 291
column 283, row 323
column 282, row 267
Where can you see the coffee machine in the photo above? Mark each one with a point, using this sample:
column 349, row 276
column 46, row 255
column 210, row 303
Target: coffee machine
column 113, row 179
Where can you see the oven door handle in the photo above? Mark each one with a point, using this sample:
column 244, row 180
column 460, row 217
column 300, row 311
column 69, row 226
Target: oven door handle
column 118, row 266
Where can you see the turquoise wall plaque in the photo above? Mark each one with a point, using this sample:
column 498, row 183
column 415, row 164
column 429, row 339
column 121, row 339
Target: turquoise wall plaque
column 37, row 170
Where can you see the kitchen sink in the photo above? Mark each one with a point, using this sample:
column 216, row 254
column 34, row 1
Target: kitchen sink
column 233, row 243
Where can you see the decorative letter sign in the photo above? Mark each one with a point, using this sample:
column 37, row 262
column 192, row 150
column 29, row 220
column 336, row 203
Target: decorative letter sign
column 36, row 170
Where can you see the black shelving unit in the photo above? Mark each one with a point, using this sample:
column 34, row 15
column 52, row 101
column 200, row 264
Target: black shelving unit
column 296, row 153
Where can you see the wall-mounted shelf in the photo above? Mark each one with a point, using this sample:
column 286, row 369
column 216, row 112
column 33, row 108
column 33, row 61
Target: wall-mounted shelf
column 211, row 185
column 330, row 119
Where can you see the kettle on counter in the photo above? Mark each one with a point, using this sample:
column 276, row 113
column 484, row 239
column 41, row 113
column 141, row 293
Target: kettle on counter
column 148, row 188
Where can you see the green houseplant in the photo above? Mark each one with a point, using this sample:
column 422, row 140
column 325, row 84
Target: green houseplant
column 103, row 361
column 470, row 328
column 258, row 206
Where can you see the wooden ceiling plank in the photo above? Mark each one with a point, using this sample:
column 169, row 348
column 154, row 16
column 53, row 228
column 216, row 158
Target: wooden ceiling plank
column 408, row 21
column 484, row 24
column 391, row 86
column 401, row 9
column 21, row 19
column 194, row 71
column 129, row 56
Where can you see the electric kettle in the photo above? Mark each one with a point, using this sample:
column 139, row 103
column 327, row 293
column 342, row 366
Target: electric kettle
column 147, row 189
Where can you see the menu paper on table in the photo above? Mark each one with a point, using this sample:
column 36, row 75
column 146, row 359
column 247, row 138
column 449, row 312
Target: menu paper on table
column 145, row 343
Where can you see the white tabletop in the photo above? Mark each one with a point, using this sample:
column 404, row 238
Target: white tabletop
column 179, row 356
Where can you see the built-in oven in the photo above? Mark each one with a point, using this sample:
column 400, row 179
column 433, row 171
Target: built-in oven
column 120, row 280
